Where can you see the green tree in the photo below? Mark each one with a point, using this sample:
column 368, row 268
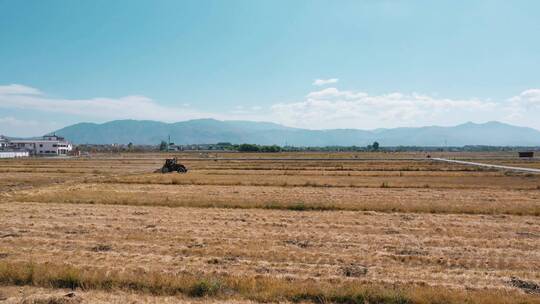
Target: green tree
column 375, row 146
column 163, row 146
column 248, row 148
column 272, row 148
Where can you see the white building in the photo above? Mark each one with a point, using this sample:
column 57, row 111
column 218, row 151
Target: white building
column 4, row 142
column 49, row 145
column 13, row 154
column 6, row 151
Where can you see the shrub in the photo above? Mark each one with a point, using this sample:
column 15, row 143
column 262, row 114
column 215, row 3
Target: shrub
column 298, row 207
column 101, row 248
column 204, row 288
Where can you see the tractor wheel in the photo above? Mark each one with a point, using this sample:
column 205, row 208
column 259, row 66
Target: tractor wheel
column 182, row 170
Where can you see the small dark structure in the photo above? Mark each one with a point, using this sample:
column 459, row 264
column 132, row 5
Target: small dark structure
column 526, row 154
column 172, row 165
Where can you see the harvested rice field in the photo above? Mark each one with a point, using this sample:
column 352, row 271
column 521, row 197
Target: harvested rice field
column 260, row 228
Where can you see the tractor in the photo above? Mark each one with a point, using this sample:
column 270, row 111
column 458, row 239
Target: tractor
column 171, row 165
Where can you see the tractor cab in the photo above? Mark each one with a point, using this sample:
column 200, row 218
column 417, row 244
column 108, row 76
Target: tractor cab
column 171, row 165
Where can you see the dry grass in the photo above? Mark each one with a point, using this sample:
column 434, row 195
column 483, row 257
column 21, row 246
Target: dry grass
column 260, row 289
column 477, row 251
column 382, row 199
column 40, row 295
column 435, row 179
column 386, row 231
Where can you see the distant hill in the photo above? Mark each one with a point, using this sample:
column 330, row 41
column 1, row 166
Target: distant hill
column 212, row 131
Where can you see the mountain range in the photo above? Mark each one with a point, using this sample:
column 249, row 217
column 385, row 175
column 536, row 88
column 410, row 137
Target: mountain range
column 202, row 131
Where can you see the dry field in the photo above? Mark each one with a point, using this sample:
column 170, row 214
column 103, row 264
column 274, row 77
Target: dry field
column 354, row 228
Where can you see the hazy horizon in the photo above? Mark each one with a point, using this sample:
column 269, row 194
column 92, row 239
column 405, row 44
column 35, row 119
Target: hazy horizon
column 260, row 121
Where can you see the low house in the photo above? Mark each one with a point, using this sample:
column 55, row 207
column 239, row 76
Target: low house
column 4, row 142
column 6, row 151
column 526, row 154
column 49, row 145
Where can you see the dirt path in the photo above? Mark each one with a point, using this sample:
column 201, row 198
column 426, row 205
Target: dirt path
column 510, row 168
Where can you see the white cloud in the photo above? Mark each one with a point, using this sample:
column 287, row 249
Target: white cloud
column 128, row 107
column 335, row 93
column 16, row 127
column 31, row 100
column 322, row 82
column 323, row 109
column 530, row 98
column 333, row 108
column 15, row 122
column 17, row 89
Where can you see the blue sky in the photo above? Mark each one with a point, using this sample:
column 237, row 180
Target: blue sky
column 393, row 63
